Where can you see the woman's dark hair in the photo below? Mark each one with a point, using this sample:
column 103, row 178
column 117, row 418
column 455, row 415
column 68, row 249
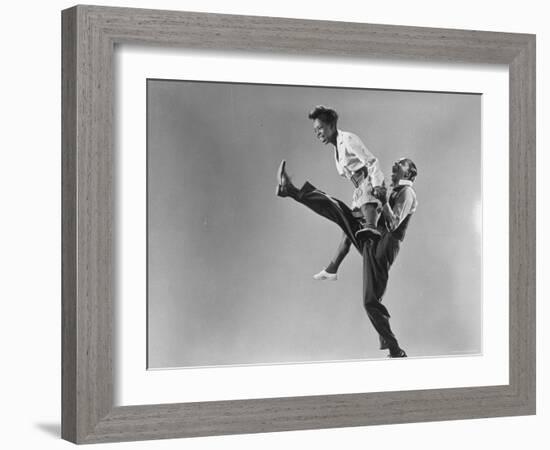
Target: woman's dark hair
column 327, row 115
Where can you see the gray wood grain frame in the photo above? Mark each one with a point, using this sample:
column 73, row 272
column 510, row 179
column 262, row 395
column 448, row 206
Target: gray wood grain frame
column 89, row 37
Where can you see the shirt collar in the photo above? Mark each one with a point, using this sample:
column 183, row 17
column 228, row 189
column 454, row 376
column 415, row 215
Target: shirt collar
column 405, row 183
column 339, row 136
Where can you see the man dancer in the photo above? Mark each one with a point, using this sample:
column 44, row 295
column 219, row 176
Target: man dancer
column 378, row 255
column 355, row 163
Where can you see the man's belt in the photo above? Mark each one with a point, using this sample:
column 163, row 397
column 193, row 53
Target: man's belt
column 358, row 176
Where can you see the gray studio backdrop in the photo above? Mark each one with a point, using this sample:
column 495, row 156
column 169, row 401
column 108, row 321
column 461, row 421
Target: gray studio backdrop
column 230, row 265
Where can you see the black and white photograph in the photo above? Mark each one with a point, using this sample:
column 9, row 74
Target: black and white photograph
column 275, row 225
column 301, row 224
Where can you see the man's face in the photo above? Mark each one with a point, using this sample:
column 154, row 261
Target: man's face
column 399, row 171
column 324, row 131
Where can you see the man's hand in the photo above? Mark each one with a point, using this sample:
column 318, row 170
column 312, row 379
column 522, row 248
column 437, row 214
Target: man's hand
column 380, row 193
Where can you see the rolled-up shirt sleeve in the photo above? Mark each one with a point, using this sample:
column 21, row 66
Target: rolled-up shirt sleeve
column 356, row 146
column 405, row 204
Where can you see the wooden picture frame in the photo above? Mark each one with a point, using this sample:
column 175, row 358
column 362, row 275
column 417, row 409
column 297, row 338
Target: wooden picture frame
column 89, row 37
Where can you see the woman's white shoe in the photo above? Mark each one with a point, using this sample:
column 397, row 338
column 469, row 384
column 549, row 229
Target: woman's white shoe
column 324, row 275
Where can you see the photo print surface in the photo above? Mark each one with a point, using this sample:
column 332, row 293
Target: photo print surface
column 237, row 273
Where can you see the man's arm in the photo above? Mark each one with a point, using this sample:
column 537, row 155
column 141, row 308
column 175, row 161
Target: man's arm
column 356, row 146
column 402, row 207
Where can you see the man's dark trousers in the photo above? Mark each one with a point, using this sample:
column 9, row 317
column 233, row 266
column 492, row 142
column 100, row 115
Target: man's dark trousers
column 377, row 257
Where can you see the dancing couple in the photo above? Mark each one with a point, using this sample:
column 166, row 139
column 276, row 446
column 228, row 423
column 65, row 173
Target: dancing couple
column 376, row 222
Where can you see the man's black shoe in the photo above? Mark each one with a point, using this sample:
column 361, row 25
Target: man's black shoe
column 399, row 353
column 284, row 186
